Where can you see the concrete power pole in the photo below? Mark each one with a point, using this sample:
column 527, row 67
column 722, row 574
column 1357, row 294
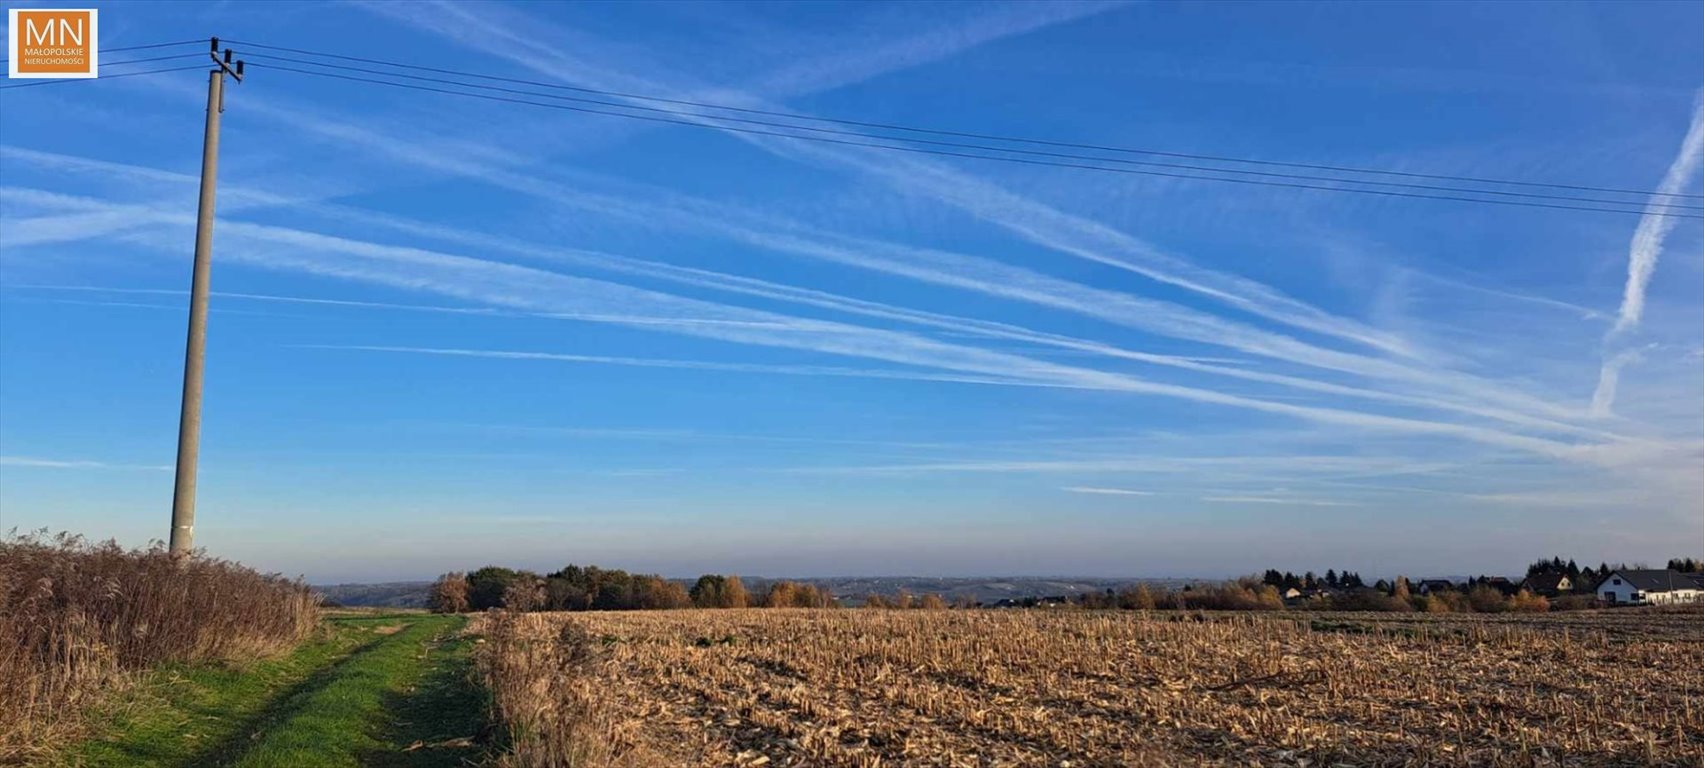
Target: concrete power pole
column 189, row 419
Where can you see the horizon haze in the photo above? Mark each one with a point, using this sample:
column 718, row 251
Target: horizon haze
column 448, row 331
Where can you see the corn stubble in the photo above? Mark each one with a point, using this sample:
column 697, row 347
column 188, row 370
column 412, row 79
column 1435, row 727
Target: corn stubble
column 1055, row 688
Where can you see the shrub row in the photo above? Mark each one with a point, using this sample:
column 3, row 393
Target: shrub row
column 1248, row 595
column 76, row 617
column 590, row 588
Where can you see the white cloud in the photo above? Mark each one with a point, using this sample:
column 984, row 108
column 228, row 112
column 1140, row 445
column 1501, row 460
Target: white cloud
column 1034, row 221
column 39, row 463
column 534, row 290
column 1276, row 500
column 948, row 269
column 1609, row 379
column 1642, row 254
column 1104, row 491
column 1648, row 238
column 701, row 365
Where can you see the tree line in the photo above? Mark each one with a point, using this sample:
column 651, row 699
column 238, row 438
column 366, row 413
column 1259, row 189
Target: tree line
column 1591, row 577
column 1288, row 580
column 1250, row 593
column 590, row 588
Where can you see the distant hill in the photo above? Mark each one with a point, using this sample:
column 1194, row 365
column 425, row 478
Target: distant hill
column 851, row 590
column 985, row 590
column 396, row 594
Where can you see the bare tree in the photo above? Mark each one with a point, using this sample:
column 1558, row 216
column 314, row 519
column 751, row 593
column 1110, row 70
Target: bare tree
column 449, row 594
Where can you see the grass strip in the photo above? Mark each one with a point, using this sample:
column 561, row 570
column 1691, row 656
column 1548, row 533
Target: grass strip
column 382, row 690
column 181, row 712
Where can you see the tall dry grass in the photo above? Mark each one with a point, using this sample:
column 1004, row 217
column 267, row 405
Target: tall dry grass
column 548, row 692
column 76, row 618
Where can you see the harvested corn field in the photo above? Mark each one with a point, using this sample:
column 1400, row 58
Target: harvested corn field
column 1053, row 688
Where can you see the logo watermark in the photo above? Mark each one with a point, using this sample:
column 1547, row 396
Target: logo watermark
column 52, row 43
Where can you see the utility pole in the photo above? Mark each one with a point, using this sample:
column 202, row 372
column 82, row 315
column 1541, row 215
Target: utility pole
column 189, row 419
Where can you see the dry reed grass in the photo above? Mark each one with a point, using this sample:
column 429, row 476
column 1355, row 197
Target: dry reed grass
column 77, row 617
column 544, row 680
column 1054, row 688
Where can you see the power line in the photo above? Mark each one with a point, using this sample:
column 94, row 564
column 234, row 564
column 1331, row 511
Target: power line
column 68, row 81
column 142, row 47
column 984, row 147
column 946, row 153
column 155, row 58
column 920, row 150
column 971, row 135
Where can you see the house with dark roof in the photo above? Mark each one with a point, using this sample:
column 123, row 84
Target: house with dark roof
column 1651, row 587
column 1548, row 584
column 1428, row 586
column 1501, row 584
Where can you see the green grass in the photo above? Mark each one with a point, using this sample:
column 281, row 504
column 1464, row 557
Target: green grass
column 373, row 690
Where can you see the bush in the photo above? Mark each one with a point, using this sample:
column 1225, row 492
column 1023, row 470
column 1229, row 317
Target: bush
column 713, row 591
column 1139, row 599
column 524, row 593
column 487, row 585
column 1401, row 594
column 1447, row 601
column 819, row 597
column 1231, row 597
column 563, row 595
column 782, row 594
column 1527, row 602
column 1369, row 600
column 1484, row 599
column 734, row 593
column 789, row 594
column 655, row 593
column 449, row 594
column 77, row 617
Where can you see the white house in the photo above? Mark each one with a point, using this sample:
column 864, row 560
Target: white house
column 1653, row 587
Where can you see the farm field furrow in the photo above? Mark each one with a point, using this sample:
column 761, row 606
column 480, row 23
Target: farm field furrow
column 796, row 687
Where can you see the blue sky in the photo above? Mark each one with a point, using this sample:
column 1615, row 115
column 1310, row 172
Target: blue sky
column 447, row 332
